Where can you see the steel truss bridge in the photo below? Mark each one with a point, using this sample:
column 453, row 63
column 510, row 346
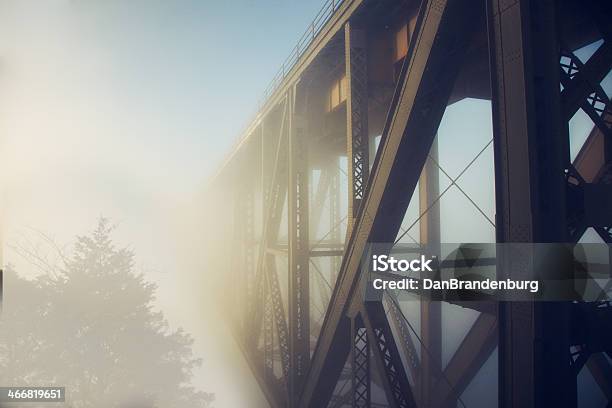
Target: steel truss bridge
column 310, row 183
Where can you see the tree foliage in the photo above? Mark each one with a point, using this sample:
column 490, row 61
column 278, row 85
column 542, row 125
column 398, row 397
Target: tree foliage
column 92, row 328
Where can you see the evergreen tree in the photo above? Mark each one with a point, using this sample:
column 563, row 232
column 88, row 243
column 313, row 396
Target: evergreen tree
column 93, row 329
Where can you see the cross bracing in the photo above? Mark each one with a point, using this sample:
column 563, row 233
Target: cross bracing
column 312, row 188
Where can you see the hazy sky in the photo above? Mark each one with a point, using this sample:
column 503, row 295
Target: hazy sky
column 122, row 109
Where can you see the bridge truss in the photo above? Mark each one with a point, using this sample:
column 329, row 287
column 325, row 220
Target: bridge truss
column 310, row 184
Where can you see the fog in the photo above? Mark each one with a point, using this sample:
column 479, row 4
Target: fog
column 124, row 110
column 118, row 109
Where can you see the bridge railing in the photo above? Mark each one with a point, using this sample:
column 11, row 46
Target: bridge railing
column 322, row 17
column 314, row 28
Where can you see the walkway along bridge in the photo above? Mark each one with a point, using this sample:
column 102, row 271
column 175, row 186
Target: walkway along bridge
column 345, row 141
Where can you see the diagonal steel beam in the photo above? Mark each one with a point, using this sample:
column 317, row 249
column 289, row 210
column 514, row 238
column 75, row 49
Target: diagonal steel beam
column 585, row 80
column 268, row 387
column 335, row 219
column 319, row 200
column 272, row 219
column 405, row 339
column 435, row 56
column 601, row 370
column 387, row 358
column 582, row 81
column 260, row 300
column 472, row 353
column 322, row 286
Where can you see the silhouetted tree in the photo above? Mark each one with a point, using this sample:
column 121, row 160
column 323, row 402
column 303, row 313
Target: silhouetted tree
column 92, row 328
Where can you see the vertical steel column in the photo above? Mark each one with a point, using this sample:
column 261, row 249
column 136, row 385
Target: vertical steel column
column 279, row 314
column 267, row 159
column 266, row 167
column 248, row 253
column 268, row 332
column 530, row 159
column 243, row 262
column 356, row 61
column 431, row 311
column 360, row 364
column 236, row 268
column 299, row 248
column 334, row 215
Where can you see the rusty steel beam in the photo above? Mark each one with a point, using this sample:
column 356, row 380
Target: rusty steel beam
column 529, row 111
column 531, row 154
column 357, row 140
column 426, row 80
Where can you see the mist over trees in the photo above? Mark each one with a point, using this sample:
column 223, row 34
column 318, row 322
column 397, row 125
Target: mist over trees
column 90, row 326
